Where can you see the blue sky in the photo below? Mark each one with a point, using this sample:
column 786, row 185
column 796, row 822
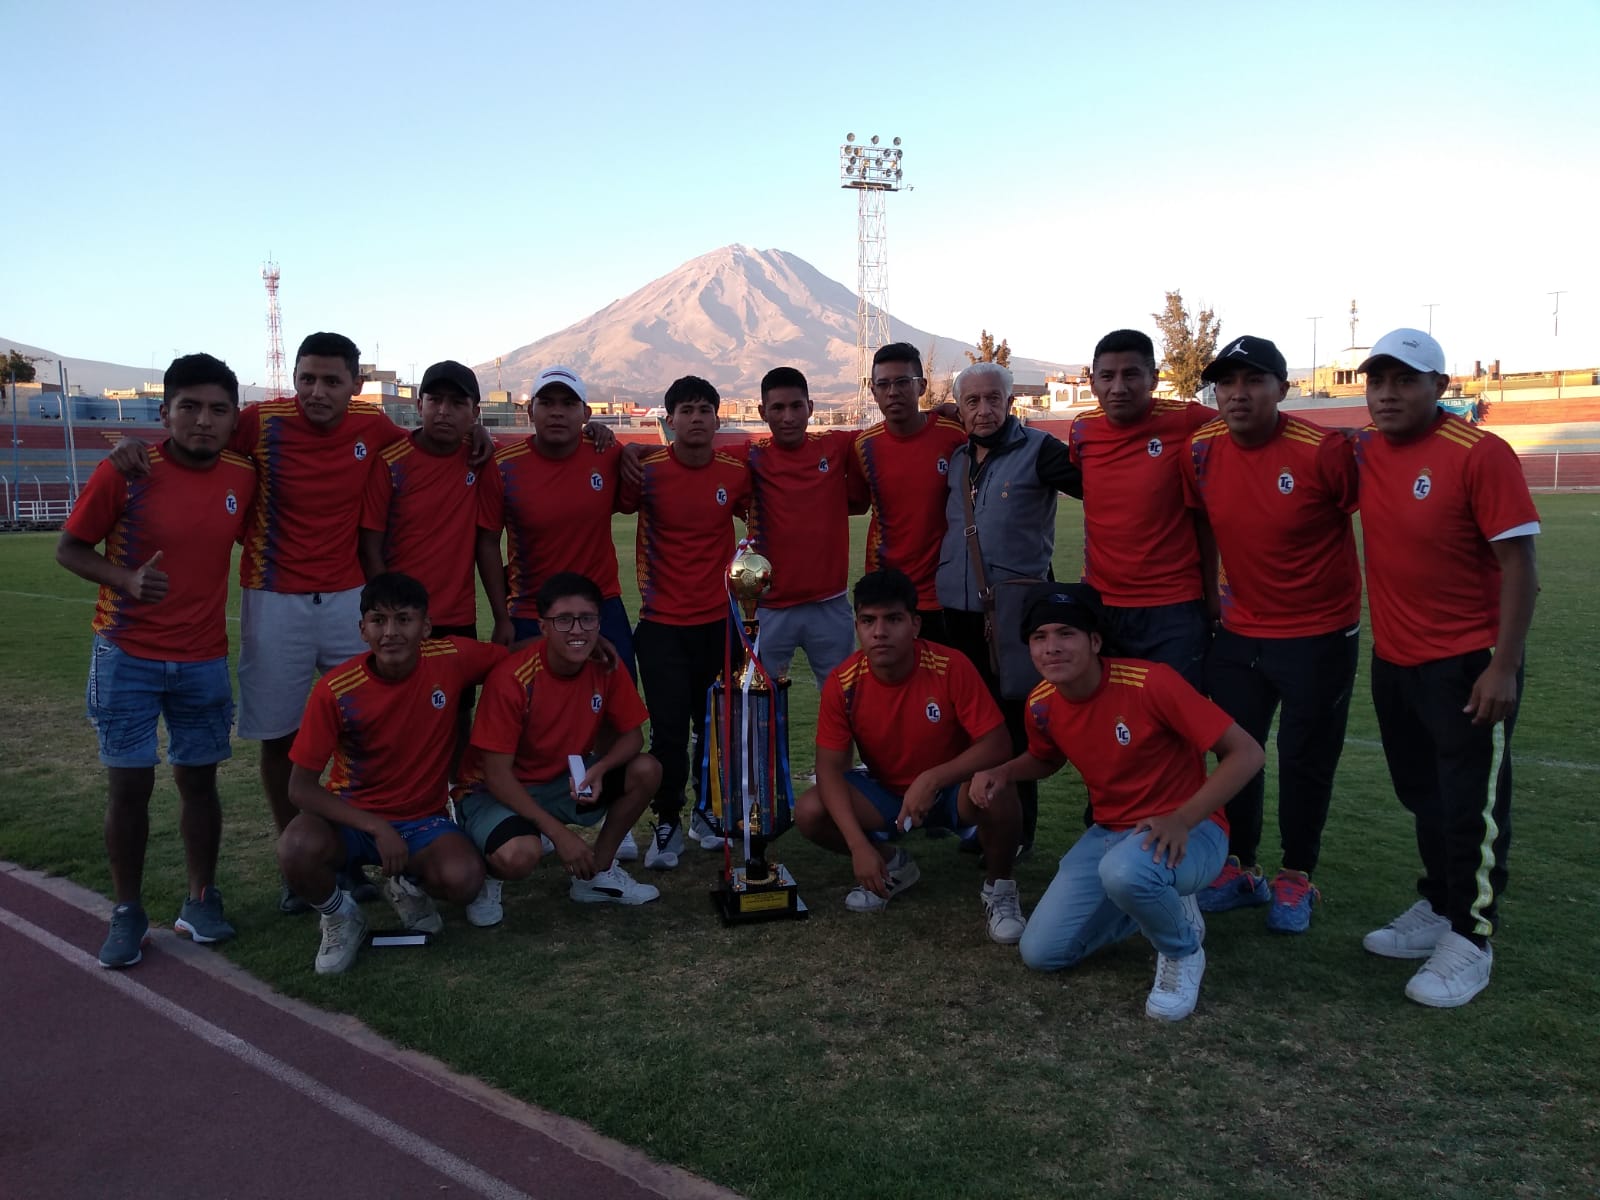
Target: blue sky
column 458, row 180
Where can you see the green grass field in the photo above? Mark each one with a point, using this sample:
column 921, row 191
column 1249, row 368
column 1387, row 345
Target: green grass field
column 905, row 1054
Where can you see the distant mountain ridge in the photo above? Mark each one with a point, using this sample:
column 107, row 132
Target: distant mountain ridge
column 92, row 377
column 730, row 316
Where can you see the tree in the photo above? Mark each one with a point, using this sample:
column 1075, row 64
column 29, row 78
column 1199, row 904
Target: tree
column 15, row 366
column 938, row 382
column 1189, row 345
column 989, row 352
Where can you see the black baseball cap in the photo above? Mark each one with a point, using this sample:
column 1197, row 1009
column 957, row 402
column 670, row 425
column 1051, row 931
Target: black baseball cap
column 450, row 371
column 1074, row 604
column 1247, row 351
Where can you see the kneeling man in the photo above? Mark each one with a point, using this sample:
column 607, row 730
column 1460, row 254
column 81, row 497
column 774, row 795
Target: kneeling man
column 923, row 722
column 387, row 721
column 1138, row 734
column 541, row 706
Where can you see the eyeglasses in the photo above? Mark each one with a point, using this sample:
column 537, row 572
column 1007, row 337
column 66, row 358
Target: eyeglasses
column 584, row 621
column 900, row 383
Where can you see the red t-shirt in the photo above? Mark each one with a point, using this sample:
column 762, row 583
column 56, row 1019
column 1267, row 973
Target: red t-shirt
column 557, row 516
column 193, row 517
column 539, row 717
column 1139, row 543
column 800, row 515
column 903, row 729
column 685, row 537
column 1139, row 741
column 391, row 740
column 1281, row 515
column 309, row 485
column 908, row 481
column 426, row 506
column 1429, row 509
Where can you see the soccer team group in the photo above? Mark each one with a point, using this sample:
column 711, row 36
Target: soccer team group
column 1221, row 586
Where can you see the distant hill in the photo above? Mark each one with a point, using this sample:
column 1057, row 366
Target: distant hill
column 92, row 377
column 730, row 316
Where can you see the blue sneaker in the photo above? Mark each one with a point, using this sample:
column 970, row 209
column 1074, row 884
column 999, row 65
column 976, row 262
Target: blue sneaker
column 1233, row 888
column 1292, row 898
column 202, row 919
column 130, row 930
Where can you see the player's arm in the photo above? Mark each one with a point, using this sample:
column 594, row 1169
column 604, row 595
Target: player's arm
column 1239, row 757
column 492, row 570
column 1056, row 469
column 308, row 795
column 989, row 751
column 834, row 793
column 630, row 470
column 1494, row 693
column 146, row 583
column 1207, row 541
column 624, row 748
column 369, row 547
column 377, row 499
column 987, row 784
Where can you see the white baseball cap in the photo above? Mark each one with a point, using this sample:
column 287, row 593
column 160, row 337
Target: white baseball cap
column 1410, row 346
column 565, row 376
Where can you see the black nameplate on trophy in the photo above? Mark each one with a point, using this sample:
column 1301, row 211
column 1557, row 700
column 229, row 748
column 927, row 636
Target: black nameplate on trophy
column 739, row 900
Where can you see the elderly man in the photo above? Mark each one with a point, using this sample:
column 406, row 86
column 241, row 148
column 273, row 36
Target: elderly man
column 1000, row 534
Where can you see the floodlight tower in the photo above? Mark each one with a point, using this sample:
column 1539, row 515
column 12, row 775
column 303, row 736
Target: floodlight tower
column 275, row 383
column 870, row 170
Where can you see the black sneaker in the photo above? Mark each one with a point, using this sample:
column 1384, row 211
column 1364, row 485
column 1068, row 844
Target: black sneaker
column 130, row 932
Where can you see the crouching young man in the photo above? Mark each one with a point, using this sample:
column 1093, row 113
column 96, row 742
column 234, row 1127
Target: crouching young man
column 387, row 721
column 1138, row 734
column 924, row 723
column 542, row 705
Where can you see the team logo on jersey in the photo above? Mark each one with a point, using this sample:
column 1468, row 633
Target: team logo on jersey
column 231, row 504
column 1285, row 481
column 1124, row 734
column 944, row 466
column 472, row 478
column 932, row 712
column 438, row 698
column 594, row 702
column 597, row 481
column 1153, row 447
column 722, row 495
column 361, row 451
column 1423, row 485
column 822, row 465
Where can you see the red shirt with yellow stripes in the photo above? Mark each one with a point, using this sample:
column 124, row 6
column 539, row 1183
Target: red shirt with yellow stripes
column 426, row 507
column 908, row 480
column 800, row 514
column 685, row 540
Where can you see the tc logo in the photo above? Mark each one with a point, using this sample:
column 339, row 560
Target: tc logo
column 597, row 481
column 822, row 465
column 1124, row 734
column 438, row 698
column 944, row 466
column 1285, row 482
column 594, row 702
column 932, row 713
column 1423, row 486
column 722, row 495
column 472, row 478
column 1153, row 447
column 231, row 504
column 361, row 451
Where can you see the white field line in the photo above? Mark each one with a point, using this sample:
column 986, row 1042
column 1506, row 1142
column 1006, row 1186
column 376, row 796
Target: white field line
column 1550, row 764
column 63, row 599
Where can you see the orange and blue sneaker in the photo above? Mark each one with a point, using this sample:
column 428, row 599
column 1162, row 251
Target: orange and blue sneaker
column 1292, row 897
column 1234, row 887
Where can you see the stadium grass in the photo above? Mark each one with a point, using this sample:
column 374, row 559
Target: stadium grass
column 905, row 1054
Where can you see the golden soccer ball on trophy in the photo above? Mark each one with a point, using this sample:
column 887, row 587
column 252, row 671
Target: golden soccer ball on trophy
column 749, row 578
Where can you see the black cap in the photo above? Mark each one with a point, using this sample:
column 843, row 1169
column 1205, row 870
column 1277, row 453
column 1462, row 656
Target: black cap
column 1074, row 604
column 1247, row 351
column 450, row 371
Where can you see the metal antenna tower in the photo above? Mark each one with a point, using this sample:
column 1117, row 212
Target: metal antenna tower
column 870, row 170
column 275, row 381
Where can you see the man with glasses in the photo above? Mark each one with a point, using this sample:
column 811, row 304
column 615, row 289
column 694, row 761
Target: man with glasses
column 905, row 465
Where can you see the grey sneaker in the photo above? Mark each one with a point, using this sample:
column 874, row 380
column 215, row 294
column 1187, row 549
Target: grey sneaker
column 130, row 932
column 342, row 935
column 1413, row 934
column 414, row 906
column 486, row 909
column 903, row 872
column 289, row 904
column 702, row 832
column 665, row 846
column 627, row 849
column 1002, row 907
column 202, row 919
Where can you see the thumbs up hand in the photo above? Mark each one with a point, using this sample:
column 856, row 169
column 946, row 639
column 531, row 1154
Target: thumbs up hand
column 148, row 584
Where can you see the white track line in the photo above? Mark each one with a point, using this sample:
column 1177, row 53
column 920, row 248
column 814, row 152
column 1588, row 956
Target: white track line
column 64, row 599
column 435, row 1157
column 1553, row 764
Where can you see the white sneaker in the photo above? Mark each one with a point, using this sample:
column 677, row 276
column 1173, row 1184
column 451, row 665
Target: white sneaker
column 486, row 909
column 1003, row 906
column 665, row 847
column 412, row 905
column 903, row 872
column 1177, row 986
column 702, row 831
column 1455, row 972
column 612, row 886
column 628, row 849
column 1413, row 934
column 546, row 846
column 342, row 935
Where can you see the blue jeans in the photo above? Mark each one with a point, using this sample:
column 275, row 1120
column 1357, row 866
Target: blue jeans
column 614, row 627
column 126, row 694
column 1108, row 888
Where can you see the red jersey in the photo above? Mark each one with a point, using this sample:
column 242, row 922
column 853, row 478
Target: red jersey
column 309, row 485
column 539, row 717
column 685, row 537
column 800, row 504
column 194, row 517
column 1139, row 543
column 903, row 729
column 1429, row 509
column 391, row 740
column 557, row 516
column 426, row 506
column 1281, row 515
column 1139, row 741
column 908, row 481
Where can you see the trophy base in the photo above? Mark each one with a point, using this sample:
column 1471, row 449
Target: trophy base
column 740, row 902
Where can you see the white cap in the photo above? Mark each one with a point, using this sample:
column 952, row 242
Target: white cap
column 1410, row 346
column 565, row 376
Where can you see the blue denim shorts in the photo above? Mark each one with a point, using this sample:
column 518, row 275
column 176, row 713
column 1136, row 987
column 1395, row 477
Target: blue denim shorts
column 126, row 695
column 361, row 851
column 943, row 814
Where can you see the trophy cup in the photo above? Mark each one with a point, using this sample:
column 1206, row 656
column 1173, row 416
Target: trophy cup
column 746, row 791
